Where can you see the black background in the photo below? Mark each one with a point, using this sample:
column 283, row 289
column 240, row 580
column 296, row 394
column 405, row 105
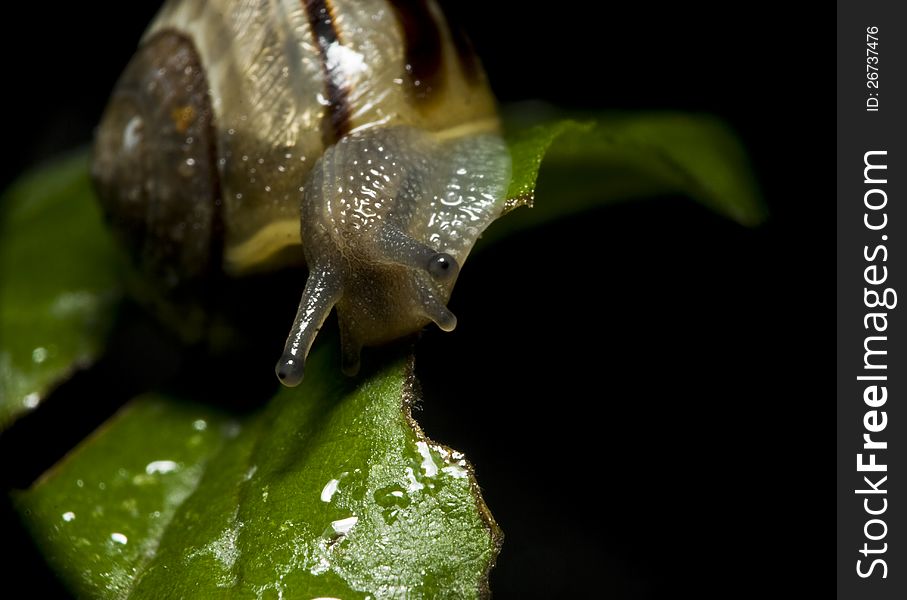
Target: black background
column 660, row 437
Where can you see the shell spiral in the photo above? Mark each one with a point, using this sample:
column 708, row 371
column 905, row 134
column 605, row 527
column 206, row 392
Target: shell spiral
column 240, row 134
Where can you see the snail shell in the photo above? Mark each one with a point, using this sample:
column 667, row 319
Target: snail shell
column 362, row 132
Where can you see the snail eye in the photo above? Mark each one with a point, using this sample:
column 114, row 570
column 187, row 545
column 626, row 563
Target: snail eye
column 443, row 267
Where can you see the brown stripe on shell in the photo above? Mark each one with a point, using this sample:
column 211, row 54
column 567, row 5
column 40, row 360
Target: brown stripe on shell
column 422, row 39
column 337, row 121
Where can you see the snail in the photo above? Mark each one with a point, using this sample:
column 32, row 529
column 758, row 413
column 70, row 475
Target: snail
column 361, row 132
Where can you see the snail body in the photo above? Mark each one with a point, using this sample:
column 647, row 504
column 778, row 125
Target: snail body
column 357, row 136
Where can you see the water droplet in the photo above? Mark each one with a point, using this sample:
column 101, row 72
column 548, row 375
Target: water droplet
column 190, row 162
column 414, row 485
column 119, row 538
column 161, row 466
column 428, row 464
column 393, row 499
column 69, row 516
column 200, row 424
column 455, row 471
column 391, row 495
column 32, row 400
column 39, row 355
column 344, row 526
column 330, row 488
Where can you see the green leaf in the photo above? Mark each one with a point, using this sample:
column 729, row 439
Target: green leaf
column 99, row 514
column 333, row 491
column 572, row 165
column 528, row 147
column 58, row 283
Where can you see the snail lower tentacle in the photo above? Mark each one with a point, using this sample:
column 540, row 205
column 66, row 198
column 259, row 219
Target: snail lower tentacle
column 434, row 309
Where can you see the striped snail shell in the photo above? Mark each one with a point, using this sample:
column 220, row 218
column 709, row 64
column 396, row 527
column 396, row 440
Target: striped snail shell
column 361, row 131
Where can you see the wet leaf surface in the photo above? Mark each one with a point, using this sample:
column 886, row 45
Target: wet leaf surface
column 58, row 283
column 332, row 491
